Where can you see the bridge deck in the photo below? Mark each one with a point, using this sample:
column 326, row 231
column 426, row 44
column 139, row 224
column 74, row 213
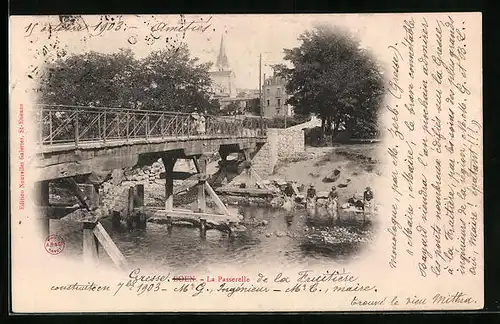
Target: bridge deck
column 92, row 145
column 77, row 140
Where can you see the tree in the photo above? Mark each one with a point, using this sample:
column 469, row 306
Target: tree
column 165, row 80
column 232, row 108
column 91, row 79
column 174, row 81
column 334, row 78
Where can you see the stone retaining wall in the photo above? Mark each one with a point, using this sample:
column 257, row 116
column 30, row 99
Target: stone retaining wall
column 282, row 143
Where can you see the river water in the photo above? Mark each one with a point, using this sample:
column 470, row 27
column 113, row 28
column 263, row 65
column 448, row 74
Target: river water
column 277, row 237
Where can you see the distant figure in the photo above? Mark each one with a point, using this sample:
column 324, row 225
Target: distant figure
column 311, row 200
column 195, row 120
column 368, row 200
column 332, row 205
column 333, row 193
column 289, row 190
column 202, row 125
column 311, row 191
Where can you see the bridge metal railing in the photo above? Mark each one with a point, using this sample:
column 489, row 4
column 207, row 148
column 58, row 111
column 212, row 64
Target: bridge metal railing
column 62, row 124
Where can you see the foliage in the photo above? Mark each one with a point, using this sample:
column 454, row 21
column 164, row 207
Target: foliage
column 334, row 78
column 253, row 106
column 232, row 109
column 279, row 122
column 168, row 79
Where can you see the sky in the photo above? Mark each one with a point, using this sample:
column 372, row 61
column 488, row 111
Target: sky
column 245, row 36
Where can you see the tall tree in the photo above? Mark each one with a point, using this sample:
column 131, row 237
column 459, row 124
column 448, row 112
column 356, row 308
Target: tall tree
column 334, row 78
column 164, row 80
column 173, row 80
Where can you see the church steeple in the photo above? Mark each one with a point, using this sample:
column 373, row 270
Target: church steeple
column 222, row 62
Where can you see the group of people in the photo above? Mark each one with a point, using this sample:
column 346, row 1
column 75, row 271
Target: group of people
column 199, row 122
column 332, row 205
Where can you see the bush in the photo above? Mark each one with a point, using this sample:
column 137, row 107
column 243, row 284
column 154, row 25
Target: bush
column 280, row 122
column 363, row 130
column 314, row 137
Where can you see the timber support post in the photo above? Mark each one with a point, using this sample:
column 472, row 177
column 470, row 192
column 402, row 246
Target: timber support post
column 169, row 224
column 135, row 207
column 91, row 195
column 115, row 218
column 42, row 196
column 223, row 166
column 201, row 166
column 85, row 200
column 169, row 163
column 203, row 228
column 90, row 244
column 130, row 208
column 247, row 164
column 140, row 216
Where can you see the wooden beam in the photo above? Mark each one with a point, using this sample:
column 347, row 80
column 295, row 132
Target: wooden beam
column 188, row 215
column 139, row 195
column 258, row 179
column 247, row 164
column 56, row 212
column 42, row 199
column 223, row 166
column 42, row 193
column 130, row 204
column 180, row 175
column 201, row 166
column 75, row 189
column 109, row 246
column 90, row 246
column 216, row 199
column 92, row 194
column 169, row 163
column 203, row 227
column 254, row 192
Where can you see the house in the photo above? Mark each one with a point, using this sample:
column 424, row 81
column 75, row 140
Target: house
column 274, row 97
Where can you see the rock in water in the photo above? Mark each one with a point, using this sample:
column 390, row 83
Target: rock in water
column 333, row 176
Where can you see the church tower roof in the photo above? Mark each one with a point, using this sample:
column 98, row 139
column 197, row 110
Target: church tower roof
column 222, row 62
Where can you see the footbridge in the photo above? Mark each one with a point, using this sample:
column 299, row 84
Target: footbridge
column 75, row 141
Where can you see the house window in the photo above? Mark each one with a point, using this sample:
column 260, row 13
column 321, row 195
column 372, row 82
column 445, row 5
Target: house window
column 279, row 92
column 268, row 103
column 279, row 102
column 268, row 91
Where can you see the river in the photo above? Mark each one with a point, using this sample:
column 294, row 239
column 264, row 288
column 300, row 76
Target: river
column 277, row 237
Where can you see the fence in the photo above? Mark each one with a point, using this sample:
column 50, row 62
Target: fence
column 59, row 124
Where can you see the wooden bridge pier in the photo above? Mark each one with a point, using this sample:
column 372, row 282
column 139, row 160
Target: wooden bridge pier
column 76, row 141
column 41, row 193
column 135, row 207
column 222, row 219
column 88, row 213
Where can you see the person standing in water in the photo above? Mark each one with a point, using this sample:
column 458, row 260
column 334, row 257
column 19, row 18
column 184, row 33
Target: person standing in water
column 311, row 199
column 368, row 200
column 333, row 203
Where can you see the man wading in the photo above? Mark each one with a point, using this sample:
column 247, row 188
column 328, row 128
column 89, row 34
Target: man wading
column 332, row 205
column 311, row 200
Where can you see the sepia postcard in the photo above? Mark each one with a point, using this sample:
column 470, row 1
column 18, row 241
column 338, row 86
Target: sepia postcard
column 229, row 163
